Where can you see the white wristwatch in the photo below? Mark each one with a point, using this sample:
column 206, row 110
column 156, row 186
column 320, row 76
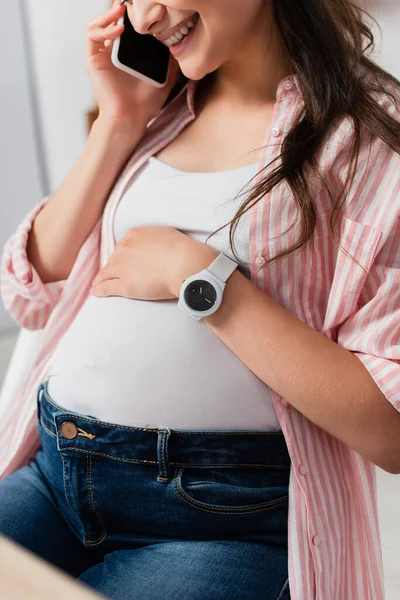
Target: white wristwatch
column 201, row 294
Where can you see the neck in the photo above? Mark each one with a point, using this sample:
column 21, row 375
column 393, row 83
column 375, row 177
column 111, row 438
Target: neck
column 252, row 77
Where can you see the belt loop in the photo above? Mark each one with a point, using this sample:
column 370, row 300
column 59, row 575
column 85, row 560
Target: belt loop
column 162, row 455
column 38, row 400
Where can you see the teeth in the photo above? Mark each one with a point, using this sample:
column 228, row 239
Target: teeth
column 180, row 34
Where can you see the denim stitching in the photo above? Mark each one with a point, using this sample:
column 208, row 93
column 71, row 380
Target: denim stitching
column 165, row 471
column 163, row 444
column 162, row 459
column 38, row 402
column 67, row 496
column 228, row 510
column 138, row 460
column 48, row 430
column 91, row 501
column 285, row 587
column 155, row 462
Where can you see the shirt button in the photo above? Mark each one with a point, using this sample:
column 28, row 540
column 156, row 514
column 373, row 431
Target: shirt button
column 316, row 540
column 69, row 430
column 303, row 469
column 288, row 85
column 260, row 260
column 276, row 132
column 285, row 402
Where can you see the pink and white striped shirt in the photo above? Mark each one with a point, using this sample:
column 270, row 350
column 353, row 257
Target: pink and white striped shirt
column 334, row 540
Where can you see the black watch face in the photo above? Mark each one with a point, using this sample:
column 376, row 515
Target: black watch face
column 200, row 295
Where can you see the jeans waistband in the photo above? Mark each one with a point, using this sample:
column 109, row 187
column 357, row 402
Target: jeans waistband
column 83, row 433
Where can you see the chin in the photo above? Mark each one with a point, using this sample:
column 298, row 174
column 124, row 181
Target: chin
column 195, row 70
column 195, row 76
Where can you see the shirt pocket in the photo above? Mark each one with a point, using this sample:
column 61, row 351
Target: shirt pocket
column 350, row 274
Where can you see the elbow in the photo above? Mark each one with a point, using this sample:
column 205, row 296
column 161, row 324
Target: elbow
column 389, row 451
column 393, row 468
column 390, row 461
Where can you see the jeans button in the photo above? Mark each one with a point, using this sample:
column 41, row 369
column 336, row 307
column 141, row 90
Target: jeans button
column 69, row 430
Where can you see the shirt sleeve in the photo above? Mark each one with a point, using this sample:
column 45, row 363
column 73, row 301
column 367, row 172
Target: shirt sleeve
column 26, row 298
column 372, row 333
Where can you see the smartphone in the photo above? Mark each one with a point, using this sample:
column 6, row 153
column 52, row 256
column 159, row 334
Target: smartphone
column 142, row 56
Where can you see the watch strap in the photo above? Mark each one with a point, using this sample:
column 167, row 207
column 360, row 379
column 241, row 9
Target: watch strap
column 222, row 267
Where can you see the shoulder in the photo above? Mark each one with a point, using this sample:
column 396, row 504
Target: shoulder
column 384, row 91
column 373, row 196
column 387, row 95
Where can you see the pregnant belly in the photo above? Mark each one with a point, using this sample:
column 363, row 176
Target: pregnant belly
column 145, row 363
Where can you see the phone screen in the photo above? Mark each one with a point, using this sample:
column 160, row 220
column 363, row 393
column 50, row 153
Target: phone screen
column 143, row 53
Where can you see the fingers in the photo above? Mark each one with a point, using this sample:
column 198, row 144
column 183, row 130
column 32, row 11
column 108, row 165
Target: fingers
column 101, row 35
column 108, row 17
column 110, row 287
column 104, row 28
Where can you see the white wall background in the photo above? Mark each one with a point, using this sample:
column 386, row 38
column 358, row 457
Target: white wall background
column 387, row 13
column 58, row 31
column 21, row 166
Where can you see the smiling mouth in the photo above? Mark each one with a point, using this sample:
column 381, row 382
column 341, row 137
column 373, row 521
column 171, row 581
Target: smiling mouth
column 182, row 32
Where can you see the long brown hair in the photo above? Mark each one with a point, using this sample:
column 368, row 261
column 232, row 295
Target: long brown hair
column 326, row 40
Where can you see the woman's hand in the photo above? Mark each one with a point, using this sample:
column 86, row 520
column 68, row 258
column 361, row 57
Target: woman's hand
column 121, row 98
column 150, row 263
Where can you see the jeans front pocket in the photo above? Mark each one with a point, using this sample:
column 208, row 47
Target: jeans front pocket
column 232, row 490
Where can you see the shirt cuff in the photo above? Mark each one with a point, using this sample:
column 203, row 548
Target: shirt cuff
column 18, row 274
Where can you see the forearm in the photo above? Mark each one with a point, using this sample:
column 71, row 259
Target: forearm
column 65, row 222
column 320, row 378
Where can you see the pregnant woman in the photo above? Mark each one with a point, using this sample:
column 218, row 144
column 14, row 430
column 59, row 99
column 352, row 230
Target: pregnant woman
column 218, row 285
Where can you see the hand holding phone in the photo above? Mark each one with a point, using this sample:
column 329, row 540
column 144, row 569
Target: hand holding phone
column 142, row 56
column 120, row 97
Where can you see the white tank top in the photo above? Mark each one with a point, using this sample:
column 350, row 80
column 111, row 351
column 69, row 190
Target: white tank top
column 146, row 363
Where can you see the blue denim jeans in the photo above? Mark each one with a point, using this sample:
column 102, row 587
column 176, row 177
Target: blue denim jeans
column 157, row 513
